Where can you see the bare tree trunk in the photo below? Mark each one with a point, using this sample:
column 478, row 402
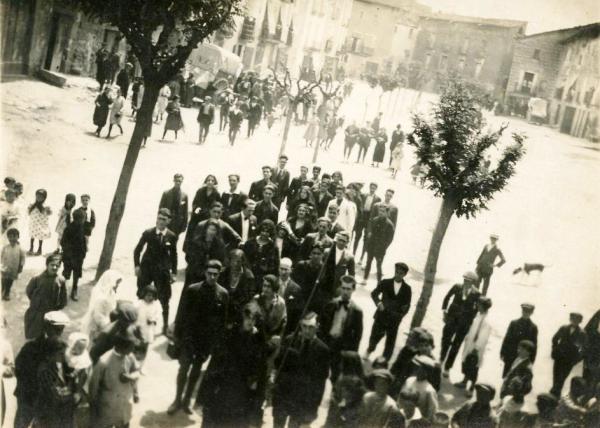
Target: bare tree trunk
column 286, row 128
column 446, row 213
column 144, row 119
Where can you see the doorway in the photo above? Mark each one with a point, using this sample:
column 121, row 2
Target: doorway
column 567, row 122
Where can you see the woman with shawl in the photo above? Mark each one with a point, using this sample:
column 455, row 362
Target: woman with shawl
column 102, row 302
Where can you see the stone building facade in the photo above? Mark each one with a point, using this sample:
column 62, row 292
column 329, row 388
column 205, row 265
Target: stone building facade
column 476, row 50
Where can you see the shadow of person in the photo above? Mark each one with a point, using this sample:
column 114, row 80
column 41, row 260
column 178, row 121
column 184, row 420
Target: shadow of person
column 162, row 419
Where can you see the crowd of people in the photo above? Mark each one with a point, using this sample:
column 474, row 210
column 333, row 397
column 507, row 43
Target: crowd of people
column 267, row 300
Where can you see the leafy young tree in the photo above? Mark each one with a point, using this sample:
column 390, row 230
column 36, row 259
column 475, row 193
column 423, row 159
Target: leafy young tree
column 452, row 148
column 162, row 34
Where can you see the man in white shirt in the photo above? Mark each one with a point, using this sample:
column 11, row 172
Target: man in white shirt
column 233, row 200
column 346, row 209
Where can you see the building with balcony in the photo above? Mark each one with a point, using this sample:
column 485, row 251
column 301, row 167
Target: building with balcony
column 304, row 36
column 381, row 35
column 562, row 68
column 477, row 50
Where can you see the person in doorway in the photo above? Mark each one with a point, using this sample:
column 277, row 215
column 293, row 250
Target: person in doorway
column 116, row 112
column 487, row 261
column 103, row 102
column 392, row 298
column 158, row 263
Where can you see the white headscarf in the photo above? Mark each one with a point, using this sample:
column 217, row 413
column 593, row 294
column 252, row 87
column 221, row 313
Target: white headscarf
column 102, row 301
column 81, row 361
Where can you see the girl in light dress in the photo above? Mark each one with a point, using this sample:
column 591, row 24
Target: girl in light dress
column 397, row 155
column 161, row 103
column 102, row 302
column 149, row 320
column 116, row 111
column 65, row 216
column 39, row 227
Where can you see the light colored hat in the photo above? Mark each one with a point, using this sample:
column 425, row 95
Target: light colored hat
column 494, row 236
column 285, row 262
column 471, row 276
column 57, row 318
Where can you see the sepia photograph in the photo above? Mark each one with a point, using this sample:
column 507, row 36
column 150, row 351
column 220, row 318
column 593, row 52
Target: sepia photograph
column 300, row 213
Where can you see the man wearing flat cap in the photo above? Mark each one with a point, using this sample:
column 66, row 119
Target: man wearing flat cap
column 29, row 358
column 567, row 351
column 460, row 308
column 392, row 298
column 518, row 330
column 341, row 324
column 487, row 262
column 478, row 413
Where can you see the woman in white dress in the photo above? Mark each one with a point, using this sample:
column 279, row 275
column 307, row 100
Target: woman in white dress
column 102, row 302
column 116, row 111
column 397, row 155
column 161, row 103
column 474, row 346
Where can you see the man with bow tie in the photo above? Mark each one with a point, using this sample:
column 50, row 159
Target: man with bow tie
column 281, row 177
column 341, row 324
column 176, row 201
column 392, row 297
column 158, row 264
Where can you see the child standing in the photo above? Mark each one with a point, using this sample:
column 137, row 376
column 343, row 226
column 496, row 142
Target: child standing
column 39, row 227
column 64, row 216
column 73, row 244
column 90, row 217
column 13, row 260
column 10, row 211
column 112, row 384
column 149, row 314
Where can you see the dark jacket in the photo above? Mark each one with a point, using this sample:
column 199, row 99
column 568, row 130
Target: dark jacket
column 392, row 211
column 523, row 372
column 519, row 329
column 263, row 260
column 323, row 203
column 380, row 236
column 158, row 255
column 203, row 201
column 351, row 330
column 257, row 187
column 240, row 295
column 295, row 187
column 395, row 305
column 46, row 293
column 460, row 310
column 282, row 179
column 177, row 203
column 73, row 243
column 568, row 346
column 302, row 379
column 235, row 221
column 309, row 241
column 27, row 362
column 201, row 317
column 363, row 198
column 233, row 203
column 264, row 211
column 294, row 303
column 333, row 272
column 209, row 117
column 55, row 401
column 90, row 220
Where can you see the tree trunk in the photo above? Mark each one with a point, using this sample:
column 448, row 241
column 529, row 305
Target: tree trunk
column 117, row 208
column 286, row 130
column 446, row 213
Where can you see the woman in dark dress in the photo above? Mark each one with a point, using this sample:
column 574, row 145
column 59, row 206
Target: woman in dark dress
column 379, row 152
column 103, row 101
column 174, row 121
column 238, row 280
column 204, row 246
column 74, row 249
column 189, row 91
column 262, row 253
column 205, row 196
column 299, row 226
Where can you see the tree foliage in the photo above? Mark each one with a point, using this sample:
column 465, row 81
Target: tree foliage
column 162, row 33
column 453, row 148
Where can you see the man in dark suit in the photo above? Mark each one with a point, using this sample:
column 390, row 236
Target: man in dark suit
column 518, row 377
column 206, row 116
column 265, row 209
column 257, row 187
column 460, row 307
column 487, row 262
column 392, row 209
column 291, row 293
column 297, row 183
column 303, row 370
column 368, row 202
column 518, row 330
column 567, row 351
column 334, row 226
column 379, row 236
column 233, row 200
column 319, row 237
column 230, row 237
column 200, row 322
column 338, row 262
column 323, row 197
column 281, row 177
column 176, row 201
column 392, row 297
column 341, row 324
column 158, row 264
column 245, row 222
